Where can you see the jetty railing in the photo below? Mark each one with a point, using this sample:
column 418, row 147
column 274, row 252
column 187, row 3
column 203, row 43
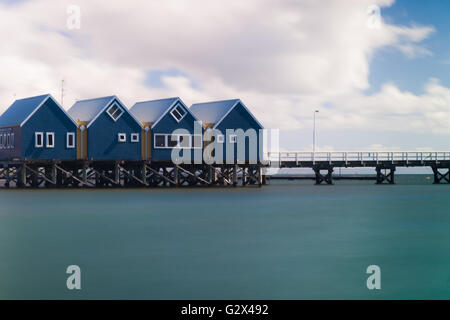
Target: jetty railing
column 373, row 157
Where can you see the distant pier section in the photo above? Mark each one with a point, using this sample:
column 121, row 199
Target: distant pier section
column 385, row 163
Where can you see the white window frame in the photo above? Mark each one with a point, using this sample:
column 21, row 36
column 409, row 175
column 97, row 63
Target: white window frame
column 12, row 141
column 232, row 138
column 8, row 140
column 2, row 143
column 134, row 137
column 49, row 134
column 119, row 139
column 119, row 108
column 173, row 109
column 220, row 138
column 70, row 134
column 36, row 134
column 165, row 141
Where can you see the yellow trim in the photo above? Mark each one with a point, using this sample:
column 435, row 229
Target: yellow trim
column 84, row 137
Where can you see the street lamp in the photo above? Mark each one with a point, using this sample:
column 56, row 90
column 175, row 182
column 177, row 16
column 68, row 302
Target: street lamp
column 314, row 131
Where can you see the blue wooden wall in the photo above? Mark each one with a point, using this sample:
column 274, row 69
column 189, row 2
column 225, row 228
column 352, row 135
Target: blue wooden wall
column 103, row 141
column 49, row 118
column 168, row 124
column 239, row 118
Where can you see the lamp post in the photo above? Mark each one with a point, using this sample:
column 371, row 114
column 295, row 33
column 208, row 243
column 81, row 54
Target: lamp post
column 314, row 132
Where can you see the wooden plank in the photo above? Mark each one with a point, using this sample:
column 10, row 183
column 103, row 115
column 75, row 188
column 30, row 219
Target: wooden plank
column 131, row 175
column 73, row 177
column 39, row 174
column 162, row 176
column 193, row 175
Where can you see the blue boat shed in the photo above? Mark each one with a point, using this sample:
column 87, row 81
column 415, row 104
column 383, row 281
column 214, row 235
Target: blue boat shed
column 161, row 118
column 37, row 128
column 228, row 117
column 108, row 131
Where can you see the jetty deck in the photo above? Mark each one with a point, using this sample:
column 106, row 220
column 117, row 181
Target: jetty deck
column 384, row 163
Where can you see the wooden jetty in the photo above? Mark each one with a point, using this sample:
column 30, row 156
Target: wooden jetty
column 384, row 163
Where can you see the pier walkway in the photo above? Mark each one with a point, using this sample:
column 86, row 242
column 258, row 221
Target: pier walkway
column 385, row 163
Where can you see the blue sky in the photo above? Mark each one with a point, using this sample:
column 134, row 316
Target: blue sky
column 411, row 74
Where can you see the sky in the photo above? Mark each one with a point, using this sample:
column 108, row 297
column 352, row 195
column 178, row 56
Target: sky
column 378, row 71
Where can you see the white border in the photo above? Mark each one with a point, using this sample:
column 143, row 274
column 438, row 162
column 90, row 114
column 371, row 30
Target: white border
column 166, row 141
column 134, row 135
column 120, row 108
column 67, row 140
column 173, row 109
column 48, row 134
column 124, row 135
column 36, row 134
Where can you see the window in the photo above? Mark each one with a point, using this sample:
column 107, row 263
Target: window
column 50, row 140
column 70, row 141
column 160, row 140
column 233, row 138
column 2, row 144
column 184, row 141
column 38, row 139
column 135, row 137
column 12, row 140
column 172, row 141
column 115, row 111
column 220, row 138
column 178, row 112
column 197, row 141
column 122, row 137
column 8, row 140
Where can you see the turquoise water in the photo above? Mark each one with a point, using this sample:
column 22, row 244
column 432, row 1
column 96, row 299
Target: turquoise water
column 287, row 240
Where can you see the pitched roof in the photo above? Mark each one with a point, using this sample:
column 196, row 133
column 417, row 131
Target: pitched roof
column 20, row 110
column 87, row 110
column 152, row 110
column 215, row 111
column 212, row 112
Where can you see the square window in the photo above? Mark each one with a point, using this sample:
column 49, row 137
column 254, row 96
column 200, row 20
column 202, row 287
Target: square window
column 122, row 137
column 114, row 111
column 172, row 140
column 50, row 140
column 135, row 137
column 38, row 139
column 220, row 138
column 233, row 138
column 178, row 112
column 70, row 143
column 160, row 140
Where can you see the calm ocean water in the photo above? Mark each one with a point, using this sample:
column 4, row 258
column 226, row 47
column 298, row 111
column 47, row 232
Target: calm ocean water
column 287, row 240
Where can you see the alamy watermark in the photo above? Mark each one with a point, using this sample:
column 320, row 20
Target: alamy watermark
column 374, row 19
column 374, row 280
column 213, row 146
column 74, row 17
column 74, row 280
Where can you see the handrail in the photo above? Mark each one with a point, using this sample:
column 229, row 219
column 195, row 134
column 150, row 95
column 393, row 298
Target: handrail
column 361, row 156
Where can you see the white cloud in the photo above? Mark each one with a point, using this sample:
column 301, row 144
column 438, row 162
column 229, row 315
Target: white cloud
column 282, row 58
